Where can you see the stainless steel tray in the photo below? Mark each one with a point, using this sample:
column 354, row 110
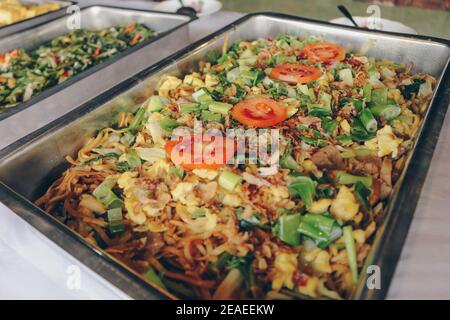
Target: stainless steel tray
column 92, row 17
column 28, row 166
column 23, row 24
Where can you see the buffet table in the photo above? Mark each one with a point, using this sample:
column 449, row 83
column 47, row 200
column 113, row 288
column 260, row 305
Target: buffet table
column 35, row 268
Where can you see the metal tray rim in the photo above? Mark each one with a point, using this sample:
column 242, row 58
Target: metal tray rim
column 440, row 101
column 42, row 16
column 54, row 89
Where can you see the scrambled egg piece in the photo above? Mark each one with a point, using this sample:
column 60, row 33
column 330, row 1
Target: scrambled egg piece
column 197, row 225
column 132, row 204
column 359, row 236
column 170, row 83
column 345, row 126
column 158, row 170
column 344, row 206
column 211, row 80
column 193, row 79
column 184, row 192
column 320, row 206
column 232, row 200
column 285, row 266
column 319, row 260
column 206, row 174
column 278, row 193
column 310, row 288
column 385, row 143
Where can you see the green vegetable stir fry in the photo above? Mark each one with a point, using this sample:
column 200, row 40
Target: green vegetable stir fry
column 26, row 73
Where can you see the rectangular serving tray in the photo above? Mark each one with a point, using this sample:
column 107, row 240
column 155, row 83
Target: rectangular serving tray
column 23, row 24
column 93, row 17
column 30, row 165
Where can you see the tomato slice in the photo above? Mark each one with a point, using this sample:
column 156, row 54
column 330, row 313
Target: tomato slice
column 324, row 52
column 259, row 112
column 200, row 152
column 295, row 73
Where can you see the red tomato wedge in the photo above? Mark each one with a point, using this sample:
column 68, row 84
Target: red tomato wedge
column 324, row 52
column 259, row 112
column 295, row 73
column 201, row 152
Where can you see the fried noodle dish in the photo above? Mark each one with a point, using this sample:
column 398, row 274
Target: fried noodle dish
column 298, row 228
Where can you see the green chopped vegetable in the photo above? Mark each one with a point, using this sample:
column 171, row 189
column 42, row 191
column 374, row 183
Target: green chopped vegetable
column 287, row 230
column 304, row 187
column 115, row 220
column 133, row 159
column 189, row 107
column 105, row 195
column 288, row 162
column 347, row 178
column 379, row 96
column 136, row 123
column 367, row 92
column 368, row 121
column 211, row 116
column 202, row 96
column 153, row 277
column 220, row 107
column 229, row 180
column 362, row 194
column 411, row 89
column 168, row 124
column 322, row 229
column 387, row 112
column 157, row 103
column 351, row 252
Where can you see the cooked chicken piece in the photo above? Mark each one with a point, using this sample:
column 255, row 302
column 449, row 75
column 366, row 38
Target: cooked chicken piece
column 328, row 158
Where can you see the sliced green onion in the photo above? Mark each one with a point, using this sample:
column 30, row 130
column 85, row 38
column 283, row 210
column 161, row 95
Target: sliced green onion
column 179, row 172
column 152, row 277
column 115, row 220
column 201, row 96
column 105, row 195
column 351, row 252
column 362, row 194
column 367, row 92
column 304, row 187
column 116, row 227
column 315, row 109
column 347, row 178
column 312, row 232
column 229, row 180
column 168, row 124
column 367, row 119
column 137, row 120
column 133, row 159
column 288, row 162
column 188, row 107
column 346, row 76
column 379, row 96
column 321, row 222
column 287, row 231
column 114, row 214
column 157, row 103
column 211, row 116
column 220, row 107
column 281, row 58
column 387, row 112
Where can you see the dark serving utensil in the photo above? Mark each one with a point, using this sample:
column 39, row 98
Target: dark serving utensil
column 186, row 10
column 346, row 13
